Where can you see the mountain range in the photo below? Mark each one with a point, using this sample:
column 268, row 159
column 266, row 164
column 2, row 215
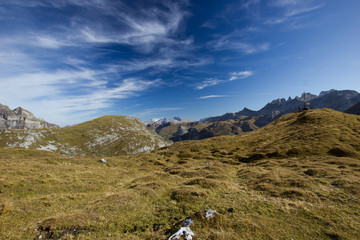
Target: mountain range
column 248, row 120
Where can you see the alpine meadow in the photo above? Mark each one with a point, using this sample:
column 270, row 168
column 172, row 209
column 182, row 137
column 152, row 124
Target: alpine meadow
column 179, row 120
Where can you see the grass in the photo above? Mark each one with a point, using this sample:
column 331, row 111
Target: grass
column 310, row 193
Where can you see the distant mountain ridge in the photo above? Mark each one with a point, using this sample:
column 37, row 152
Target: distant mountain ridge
column 337, row 100
column 166, row 120
column 20, row 118
column 249, row 120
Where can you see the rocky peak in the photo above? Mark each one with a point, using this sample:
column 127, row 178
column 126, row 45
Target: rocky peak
column 4, row 108
column 305, row 97
column 322, row 93
column 19, row 111
column 165, row 120
column 20, row 118
column 278, row 101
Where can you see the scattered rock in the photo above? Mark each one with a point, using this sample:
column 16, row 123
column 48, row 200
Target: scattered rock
column 102, row 160
column 210, row 213
column 183, row 231
column 187, row 222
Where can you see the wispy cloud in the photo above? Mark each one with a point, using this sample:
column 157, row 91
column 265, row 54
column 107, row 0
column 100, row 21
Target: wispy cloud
column 292, row 10
column 213, row 96
column 240, row 75
column 214, row 81
column 208, row 82
column 237, row 41
column 66, row 69
column 68, row 93
column 296, row 7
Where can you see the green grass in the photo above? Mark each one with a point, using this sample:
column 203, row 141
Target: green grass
column 147, row 196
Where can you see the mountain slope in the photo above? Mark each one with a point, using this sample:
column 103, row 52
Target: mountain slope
column 20, row 118
column 308, row 187
column 104, row 136
column 355, row 109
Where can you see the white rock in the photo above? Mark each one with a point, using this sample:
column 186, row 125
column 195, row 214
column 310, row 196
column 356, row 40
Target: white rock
column 210, row 213
column 183, row 231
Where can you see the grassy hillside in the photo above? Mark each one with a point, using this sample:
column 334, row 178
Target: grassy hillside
column 104, row 136
column 297, row 178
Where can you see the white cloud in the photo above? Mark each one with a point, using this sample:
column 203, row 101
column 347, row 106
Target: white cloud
column 214, row 81
column 208, row 82
column 213, row 96
column 240, row 75
column 48, row 42
column 57, row 94
column 292, row 9
column 235, row 42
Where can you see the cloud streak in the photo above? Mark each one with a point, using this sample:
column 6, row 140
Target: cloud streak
column 236, row 41
column 214, row 81
column 213, row 96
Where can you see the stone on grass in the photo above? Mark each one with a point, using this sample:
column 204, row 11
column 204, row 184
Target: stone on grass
column 183, row 231
column 210, row 213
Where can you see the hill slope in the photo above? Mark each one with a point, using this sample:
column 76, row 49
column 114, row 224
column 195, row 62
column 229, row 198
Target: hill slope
column 104, row 136
column 306, row 133
column 297, row 178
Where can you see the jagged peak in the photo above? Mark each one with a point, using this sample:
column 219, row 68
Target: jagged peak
column 247, row 109
column 277, row 101
column 306, row 96
column 322, row 93
column 163, row 120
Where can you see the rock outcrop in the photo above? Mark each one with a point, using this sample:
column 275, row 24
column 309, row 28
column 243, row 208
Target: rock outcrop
column 20, row 118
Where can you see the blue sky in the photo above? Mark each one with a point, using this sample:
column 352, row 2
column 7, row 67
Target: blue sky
column 69, row 61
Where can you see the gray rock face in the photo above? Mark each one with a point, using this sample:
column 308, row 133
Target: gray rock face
column 20, row 118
